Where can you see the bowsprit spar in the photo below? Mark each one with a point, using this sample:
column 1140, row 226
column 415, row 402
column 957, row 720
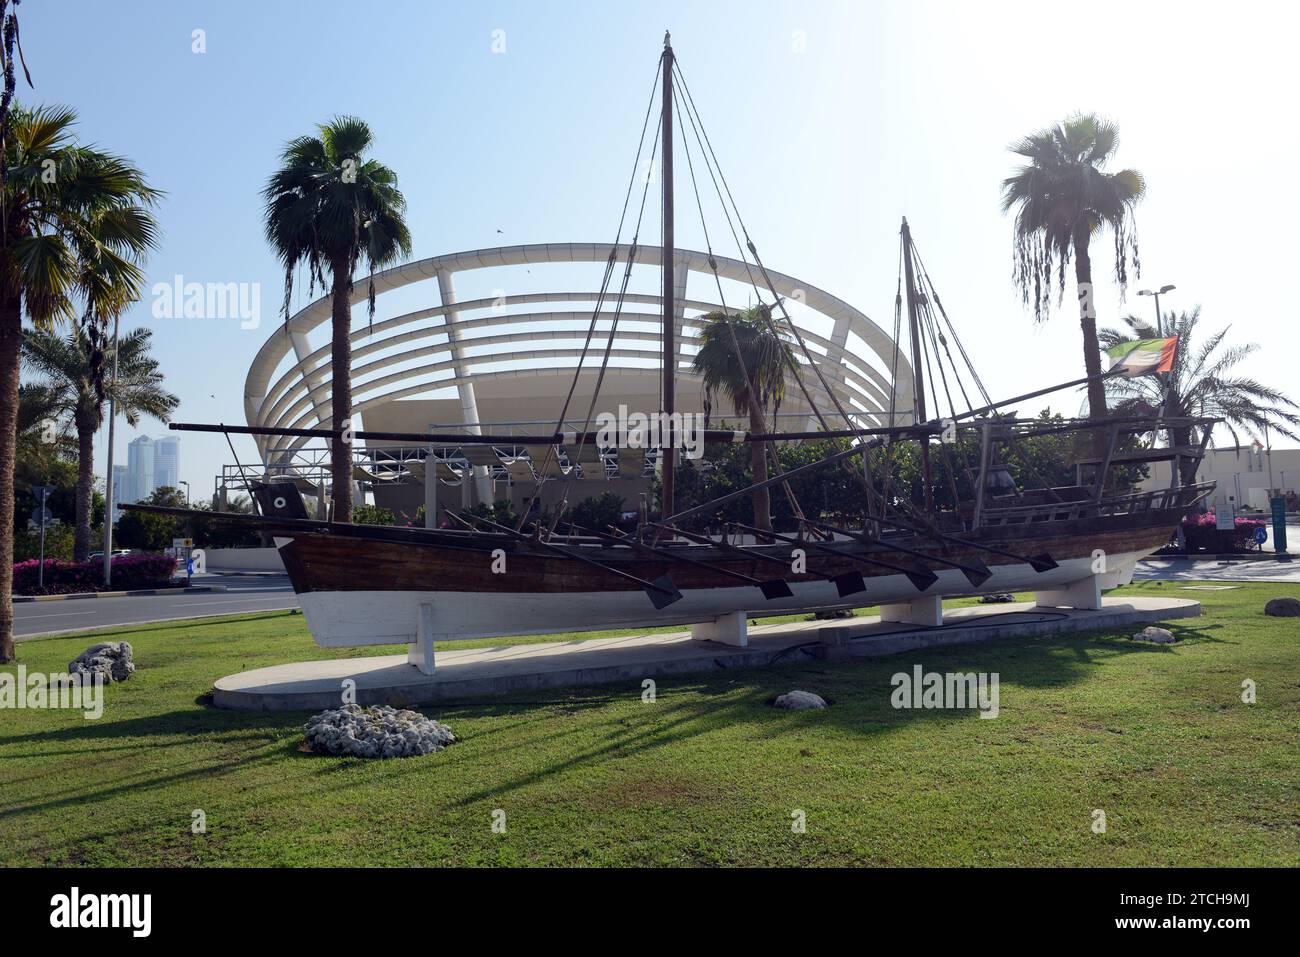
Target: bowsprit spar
column 940, row 512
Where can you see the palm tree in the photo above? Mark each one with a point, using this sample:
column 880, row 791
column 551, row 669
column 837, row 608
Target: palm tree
column 1201, row 384
column 742, row 360
column 43, row 432
column 77, row 224
column 66, row 364
column 1062, row 197
column 330, row 207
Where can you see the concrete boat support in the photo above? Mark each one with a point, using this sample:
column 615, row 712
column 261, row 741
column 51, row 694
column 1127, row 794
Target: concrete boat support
column 483, row 672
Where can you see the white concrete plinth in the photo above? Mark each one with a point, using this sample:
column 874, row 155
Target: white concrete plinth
column 730, row 629
column 473, row 673
column 926, row 611
column 420, row 653
column 1084, row 594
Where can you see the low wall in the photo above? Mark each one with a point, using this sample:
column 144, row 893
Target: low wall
column 243, row 560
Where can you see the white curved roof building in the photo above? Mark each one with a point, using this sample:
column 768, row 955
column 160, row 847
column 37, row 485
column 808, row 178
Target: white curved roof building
column 503, row 352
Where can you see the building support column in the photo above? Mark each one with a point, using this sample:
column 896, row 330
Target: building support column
column 430, row 491
column 464, row 387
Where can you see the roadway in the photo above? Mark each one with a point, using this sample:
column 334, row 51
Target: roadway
column 252, row 593
column 243, row 594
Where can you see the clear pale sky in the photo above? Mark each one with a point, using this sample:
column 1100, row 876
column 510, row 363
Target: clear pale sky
column 890, row 109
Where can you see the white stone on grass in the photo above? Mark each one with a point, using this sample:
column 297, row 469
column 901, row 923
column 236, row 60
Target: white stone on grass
column 112, row 659
column 1152, row 633
column 375, row 732
column 799, row 701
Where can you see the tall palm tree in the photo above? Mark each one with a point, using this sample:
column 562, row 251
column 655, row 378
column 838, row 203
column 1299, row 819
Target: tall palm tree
column 1062, row 197
column 329, row 207
column 1201, row 384
column 66, row 364
column 741, row 360
column 75, row 226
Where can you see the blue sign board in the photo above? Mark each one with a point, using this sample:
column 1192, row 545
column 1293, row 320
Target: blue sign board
column 1261, row 536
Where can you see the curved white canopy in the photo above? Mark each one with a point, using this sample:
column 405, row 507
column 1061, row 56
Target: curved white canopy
column 299, row 397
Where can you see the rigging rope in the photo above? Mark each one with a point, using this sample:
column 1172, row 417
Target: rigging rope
column 600, row 300
column 697, row 122
column 769, row 451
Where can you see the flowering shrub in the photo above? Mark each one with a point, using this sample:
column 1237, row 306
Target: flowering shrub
column 1200, row 533
column 61, row 578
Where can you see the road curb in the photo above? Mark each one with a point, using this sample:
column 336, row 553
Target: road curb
column 246, row 574
column 193, row 589
column 1281, row 557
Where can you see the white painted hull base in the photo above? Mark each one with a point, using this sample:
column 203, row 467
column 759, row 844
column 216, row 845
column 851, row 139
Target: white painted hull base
column 350, row 618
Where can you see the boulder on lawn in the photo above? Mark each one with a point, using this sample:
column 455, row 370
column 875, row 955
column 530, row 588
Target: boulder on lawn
column 1152, row 633
column 375, row 732
column 1283, row 607
column 799, row 701
column 112, row 659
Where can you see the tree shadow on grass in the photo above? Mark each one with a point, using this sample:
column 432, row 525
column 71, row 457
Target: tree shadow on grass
column 138, row 783
column 860, row 688
column 1186, row 635
column 688, row 707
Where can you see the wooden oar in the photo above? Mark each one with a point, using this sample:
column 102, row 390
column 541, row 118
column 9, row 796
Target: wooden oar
column 734, row 549
column 771, row 589
column 920, row 576
column 976, row 573
column 661, row 593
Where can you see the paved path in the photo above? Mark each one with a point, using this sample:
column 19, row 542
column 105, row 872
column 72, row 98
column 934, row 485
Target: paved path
column 1236, row 570
column 243, row 594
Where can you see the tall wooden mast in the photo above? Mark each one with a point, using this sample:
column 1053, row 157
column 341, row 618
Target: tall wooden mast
column 918, row 378
column 668, row 474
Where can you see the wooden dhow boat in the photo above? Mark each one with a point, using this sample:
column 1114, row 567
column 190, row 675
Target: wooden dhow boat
column 368, row 584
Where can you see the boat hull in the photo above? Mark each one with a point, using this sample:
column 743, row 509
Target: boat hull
column 347, row 618
column 358, row 591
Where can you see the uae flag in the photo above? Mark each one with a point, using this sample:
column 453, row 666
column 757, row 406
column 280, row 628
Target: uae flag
column 1142, row 356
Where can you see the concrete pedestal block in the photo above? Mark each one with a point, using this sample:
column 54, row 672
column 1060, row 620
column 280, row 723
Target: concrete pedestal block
column 833, row 643
column 420, row 651
column 926, row 610
column 730, row 629
column 1084, row 594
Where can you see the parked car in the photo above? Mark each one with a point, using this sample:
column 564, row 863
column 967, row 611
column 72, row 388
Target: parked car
column 117, row 553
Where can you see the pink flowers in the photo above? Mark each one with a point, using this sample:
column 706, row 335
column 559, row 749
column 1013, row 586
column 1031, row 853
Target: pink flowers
column 1201, row 534
column 61, row 578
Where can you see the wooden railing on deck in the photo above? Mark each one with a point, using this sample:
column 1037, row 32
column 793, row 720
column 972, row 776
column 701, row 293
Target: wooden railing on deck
column 1137, row 502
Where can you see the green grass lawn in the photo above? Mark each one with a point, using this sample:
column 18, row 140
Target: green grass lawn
column 1156, row 736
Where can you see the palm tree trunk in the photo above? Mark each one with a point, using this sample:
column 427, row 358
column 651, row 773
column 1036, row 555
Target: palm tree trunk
column 85, row 487
column 762, row 500
column 1186, row 469
column 1088, row 323
column 341, row 391
column 11, row 336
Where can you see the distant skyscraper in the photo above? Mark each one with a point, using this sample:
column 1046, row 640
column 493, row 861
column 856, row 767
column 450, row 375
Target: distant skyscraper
column 167, row 461
column 139, row 470
column 120, row 481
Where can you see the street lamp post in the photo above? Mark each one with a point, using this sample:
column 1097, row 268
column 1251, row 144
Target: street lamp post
column 1268, row 454
column 1167, row 378
column 108, row 483
column 187, row 491
column 1157, row 293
